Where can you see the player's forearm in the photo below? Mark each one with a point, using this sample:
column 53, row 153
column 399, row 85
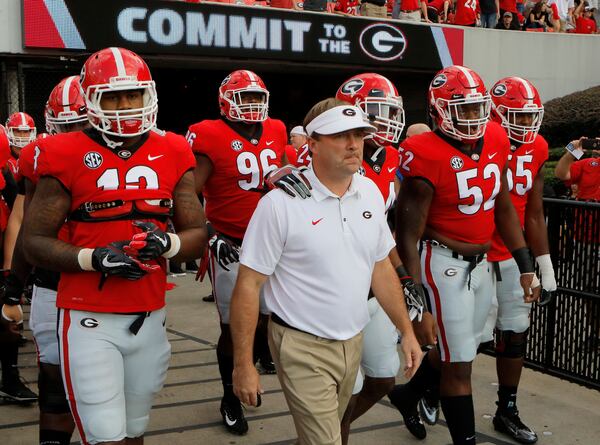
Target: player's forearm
column 536, row 233
column 193, row 242
column 19, row 265
column 51, row 253
column 509, row 227
column 11, row 233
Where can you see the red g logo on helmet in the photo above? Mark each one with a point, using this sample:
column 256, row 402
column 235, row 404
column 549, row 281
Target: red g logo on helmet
column 378, row 98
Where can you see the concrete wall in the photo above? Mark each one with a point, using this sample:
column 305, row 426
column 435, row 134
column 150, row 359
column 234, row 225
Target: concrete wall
column 10, row 27
column 557, row 64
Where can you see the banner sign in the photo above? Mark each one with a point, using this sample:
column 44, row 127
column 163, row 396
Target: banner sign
column 217, row 30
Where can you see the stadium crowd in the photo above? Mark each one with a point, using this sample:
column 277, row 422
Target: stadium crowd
column 295, row 241
column 575, row 16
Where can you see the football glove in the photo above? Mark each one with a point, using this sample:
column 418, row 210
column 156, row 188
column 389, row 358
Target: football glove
column 112, row 260
column 413, row 293
column 289, row 179
column 224, row 251
column 150, row 244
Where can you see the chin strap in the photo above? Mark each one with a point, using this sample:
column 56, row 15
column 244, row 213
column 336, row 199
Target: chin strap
column 110, row 143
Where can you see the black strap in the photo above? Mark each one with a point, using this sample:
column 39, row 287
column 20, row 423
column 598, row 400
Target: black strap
column 135, row 327
column 496, row 266
column 277, row 319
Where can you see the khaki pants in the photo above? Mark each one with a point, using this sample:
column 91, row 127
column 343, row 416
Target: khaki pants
column 371, row 10
column 317, row 376
column 414, row 16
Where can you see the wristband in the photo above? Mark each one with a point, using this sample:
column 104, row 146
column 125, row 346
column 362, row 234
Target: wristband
column 84, row 258
column 402, row 272
column 175, row 246
column 576, row 153
column 545, row 264
column 523, row 260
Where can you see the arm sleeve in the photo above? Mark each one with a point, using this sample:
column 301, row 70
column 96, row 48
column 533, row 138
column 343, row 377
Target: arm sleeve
column 575, row 171
column 49, row 163
column 265, row 236
column 422, row 165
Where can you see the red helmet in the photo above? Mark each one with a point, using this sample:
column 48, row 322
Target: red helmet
column 231, row 101
column 516, row 105
column 118, row 69
column 459, row 103
column 378, row 98
column 20, row 122
column 4, row 147
column 65, row 106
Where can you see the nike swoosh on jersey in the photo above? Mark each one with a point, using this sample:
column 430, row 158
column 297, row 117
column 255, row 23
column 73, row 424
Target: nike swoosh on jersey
column 391, row 169
column 269, row 142
column 316, row 221
column 528, row 152
column 153, row 158
column 492, row 156
column 107, row 263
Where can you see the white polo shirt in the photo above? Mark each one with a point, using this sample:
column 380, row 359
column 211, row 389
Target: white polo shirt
column 319, row 254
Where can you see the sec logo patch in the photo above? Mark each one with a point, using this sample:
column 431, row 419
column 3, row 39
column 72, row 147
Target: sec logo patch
column 92, row 159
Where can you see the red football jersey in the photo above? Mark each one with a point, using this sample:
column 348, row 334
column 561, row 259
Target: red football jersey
column 93, row 173
column 523, row 166
column 466, row 12
column 239, row 166
column 291, row 155
column 28, row 162
column 465, row 189
column 382, row 172
column 349, row 7
column 13, row 166
column 304, row 158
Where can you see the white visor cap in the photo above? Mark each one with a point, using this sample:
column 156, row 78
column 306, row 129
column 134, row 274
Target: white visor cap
column 298, row 130
column 339, row 119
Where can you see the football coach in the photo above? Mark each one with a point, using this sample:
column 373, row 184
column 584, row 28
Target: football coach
column 317, row 259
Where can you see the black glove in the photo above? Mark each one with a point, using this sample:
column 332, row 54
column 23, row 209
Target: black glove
column 149, row 244
column 12, row 290
column 111, row 260
column 224, row 251
column 413, row 293
column 546, row 297
column 289, row 179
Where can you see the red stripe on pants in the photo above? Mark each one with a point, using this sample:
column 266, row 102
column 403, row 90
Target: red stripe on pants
column 67, row 370
column 438, row 303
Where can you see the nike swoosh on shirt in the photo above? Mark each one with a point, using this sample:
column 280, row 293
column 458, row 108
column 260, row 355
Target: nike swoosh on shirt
column 528, row 152
column 107, row 263
column 269, row 142
column 153, row 158
column 391, row 169
column 492, row 156
column 316, row 221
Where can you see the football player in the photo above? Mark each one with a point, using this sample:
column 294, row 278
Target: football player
column 116, row 185
column 298, row 153
column 454, row 194
column 65, row 112
column 11, row 317
column 233, row 155
column 379, row 99
column 516, row 105
column 21, row 131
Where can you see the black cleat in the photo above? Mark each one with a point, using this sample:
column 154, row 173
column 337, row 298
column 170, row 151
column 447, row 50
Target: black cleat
column 509, row 423
column 429, row 410
column 191, row 267
column 265, row 367
column 233, row 417
column 17, row 392
column 209, row 298
column 409, row 413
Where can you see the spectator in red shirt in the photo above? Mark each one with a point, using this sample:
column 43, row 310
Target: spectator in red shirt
column 467, row 12
column 410, row 10
column 585, row 23
column 347, row 7
column 282, row 4
column 437, row 10
column 585, row 173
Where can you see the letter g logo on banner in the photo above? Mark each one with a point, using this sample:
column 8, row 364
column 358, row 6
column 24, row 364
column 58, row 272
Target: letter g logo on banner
column 382, row 42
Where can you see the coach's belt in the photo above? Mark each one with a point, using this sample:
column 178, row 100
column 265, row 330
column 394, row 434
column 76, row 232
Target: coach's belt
column 408, row 12
column 135, row 327
column 277, row 319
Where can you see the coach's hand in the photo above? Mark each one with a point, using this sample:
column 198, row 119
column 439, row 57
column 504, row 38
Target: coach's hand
column 426, row 330
column 412, row 354
column 246, row 384
column 531, row 287
column 224, row 251
column 289, row 179
column 150, row 244
column 112, row 260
